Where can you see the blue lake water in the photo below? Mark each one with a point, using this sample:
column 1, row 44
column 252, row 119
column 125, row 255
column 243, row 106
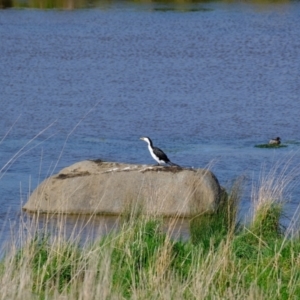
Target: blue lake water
column 206, row 83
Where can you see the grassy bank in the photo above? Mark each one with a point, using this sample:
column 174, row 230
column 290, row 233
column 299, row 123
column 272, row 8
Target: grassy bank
column 222, row 259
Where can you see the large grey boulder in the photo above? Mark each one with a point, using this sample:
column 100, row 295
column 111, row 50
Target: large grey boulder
column 96, row 187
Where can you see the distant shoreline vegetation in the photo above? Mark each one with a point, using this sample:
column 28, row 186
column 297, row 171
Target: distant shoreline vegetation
column 79, row 4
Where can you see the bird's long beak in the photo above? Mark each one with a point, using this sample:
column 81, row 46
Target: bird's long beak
column 141, row 138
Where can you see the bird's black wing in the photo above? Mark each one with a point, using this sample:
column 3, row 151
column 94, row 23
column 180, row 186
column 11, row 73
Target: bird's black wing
column 160, row 154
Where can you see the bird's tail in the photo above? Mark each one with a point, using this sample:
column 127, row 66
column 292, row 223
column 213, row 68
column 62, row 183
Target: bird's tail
column 174, row 165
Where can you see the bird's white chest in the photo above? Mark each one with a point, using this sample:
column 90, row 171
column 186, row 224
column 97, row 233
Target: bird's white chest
column 154, row 156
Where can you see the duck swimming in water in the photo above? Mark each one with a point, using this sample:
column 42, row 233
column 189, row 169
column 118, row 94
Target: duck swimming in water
column 275, row 141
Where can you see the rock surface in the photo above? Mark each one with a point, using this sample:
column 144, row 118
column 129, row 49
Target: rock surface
column 96, row 187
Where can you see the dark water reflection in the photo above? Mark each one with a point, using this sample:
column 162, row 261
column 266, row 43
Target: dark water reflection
column 207, row 86
column 157, row 5
column 87, row 228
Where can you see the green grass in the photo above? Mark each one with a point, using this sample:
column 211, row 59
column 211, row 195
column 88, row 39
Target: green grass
column 222, row 259
column 142, row 262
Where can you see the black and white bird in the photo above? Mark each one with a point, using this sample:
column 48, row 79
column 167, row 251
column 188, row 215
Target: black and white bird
column 276, row 141
column 157, row 153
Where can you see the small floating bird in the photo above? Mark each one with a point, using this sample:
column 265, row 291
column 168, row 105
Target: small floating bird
column 157, row 153
column 275, row 141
